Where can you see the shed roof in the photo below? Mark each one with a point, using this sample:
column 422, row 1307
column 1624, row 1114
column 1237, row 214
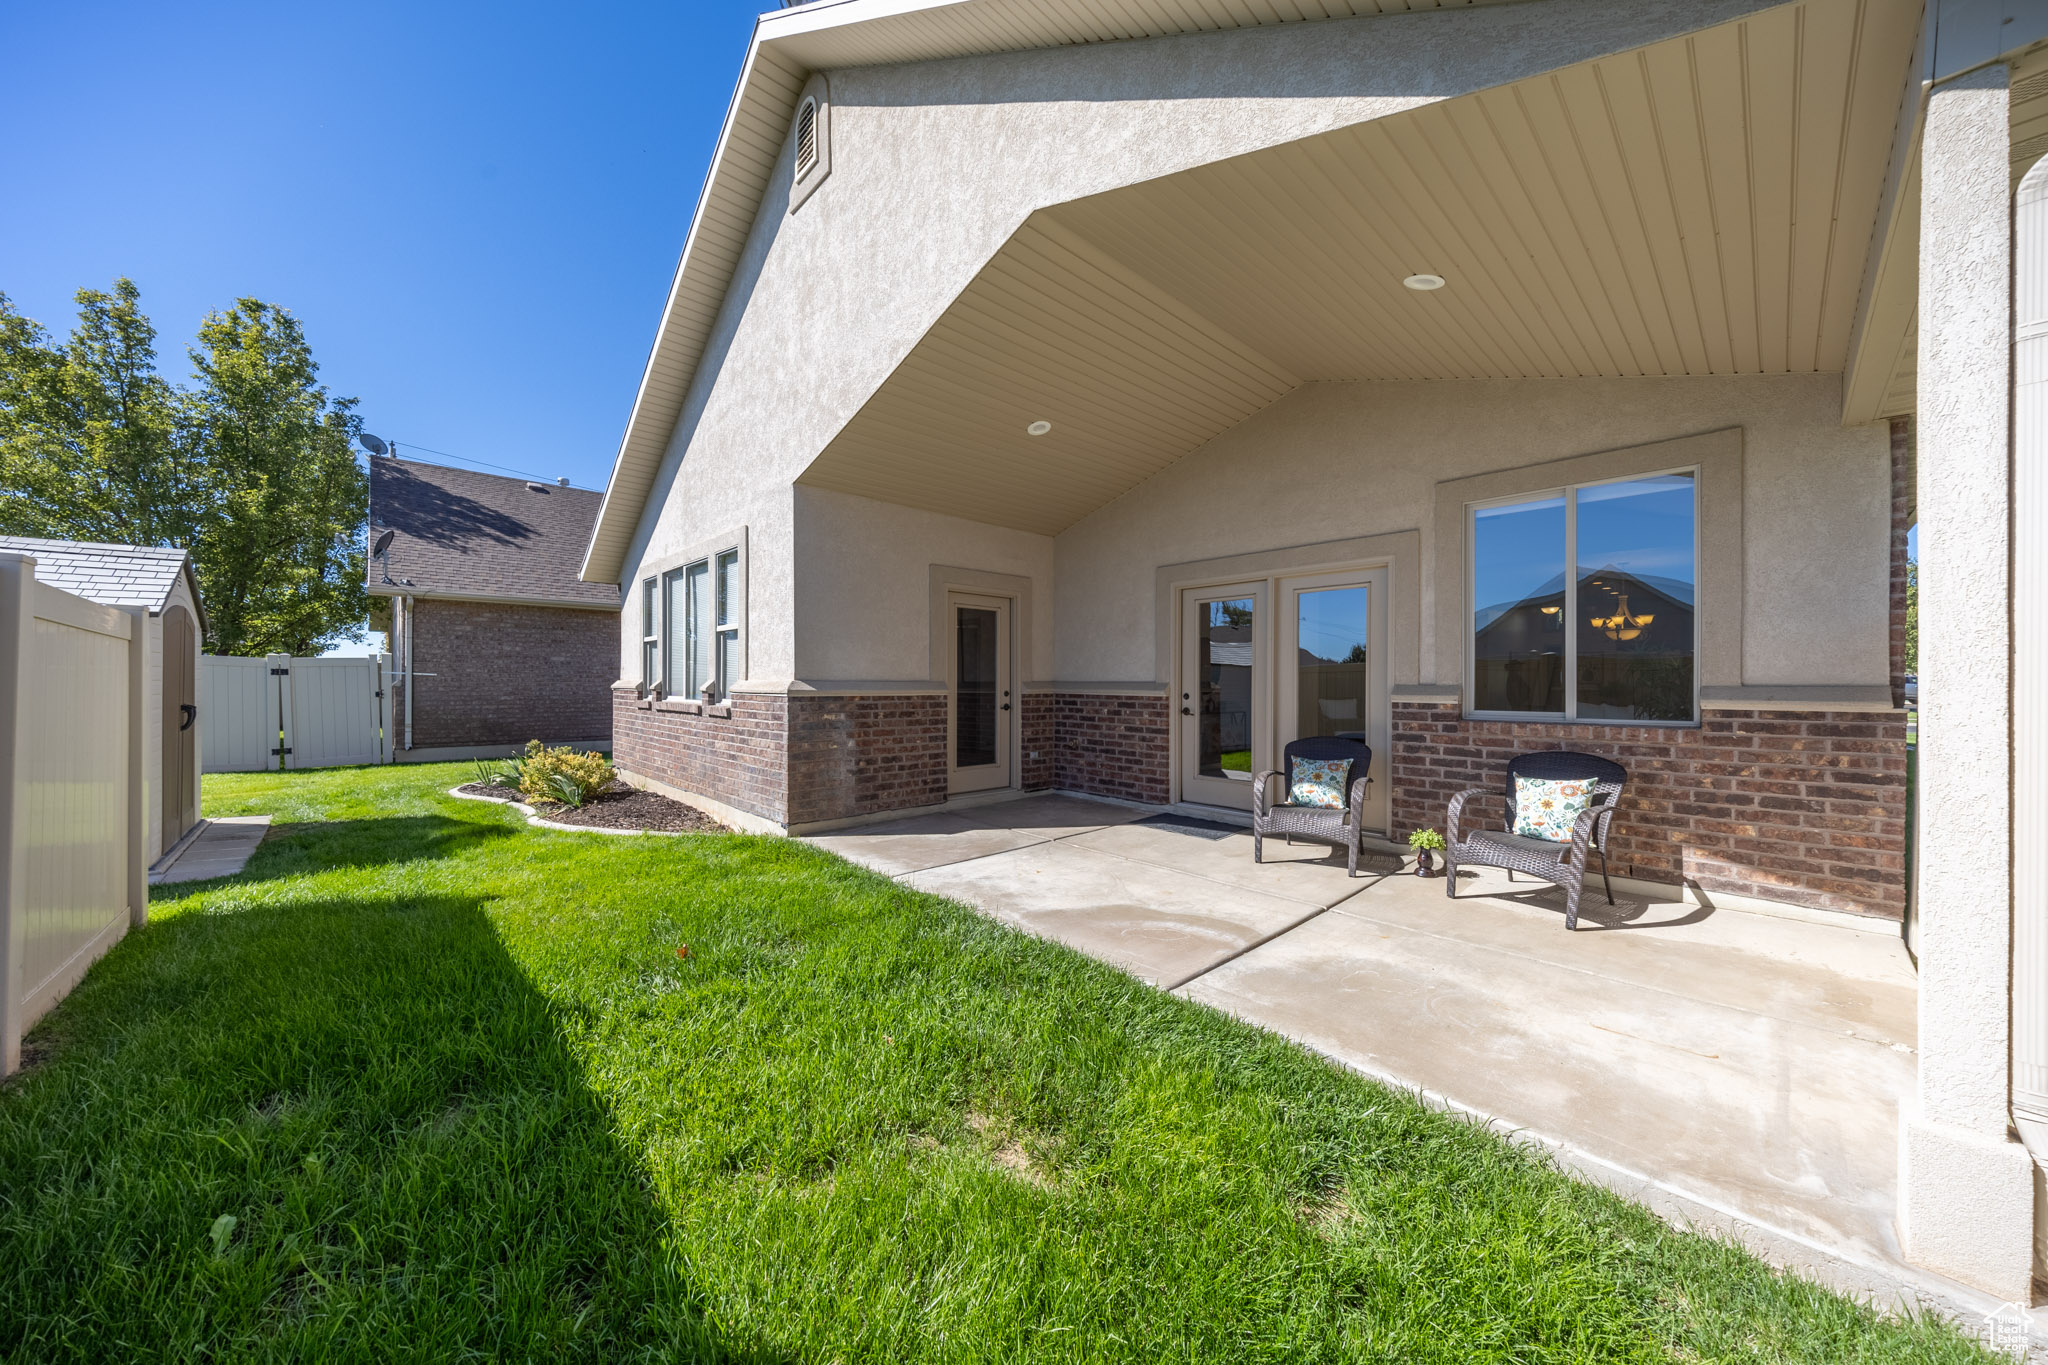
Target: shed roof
column 458, row 533
column 112, row 575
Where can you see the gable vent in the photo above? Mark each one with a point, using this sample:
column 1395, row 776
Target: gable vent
column 806, row 138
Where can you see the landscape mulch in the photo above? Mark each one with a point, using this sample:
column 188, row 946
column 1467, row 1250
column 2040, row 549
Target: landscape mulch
column 617, row 807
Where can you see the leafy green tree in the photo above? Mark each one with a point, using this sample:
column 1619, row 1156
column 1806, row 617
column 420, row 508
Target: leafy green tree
column 251, row 469
column 90, row 446
column 1913, row 616
column 284, row 549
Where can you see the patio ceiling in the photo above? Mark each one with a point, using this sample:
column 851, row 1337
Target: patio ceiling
column 1700, row 206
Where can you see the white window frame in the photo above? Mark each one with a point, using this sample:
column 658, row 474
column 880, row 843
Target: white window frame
column 650, row 635
column 1570, row 493
column 661, row 574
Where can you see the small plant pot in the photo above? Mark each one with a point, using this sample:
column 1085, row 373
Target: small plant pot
column 1425, row 862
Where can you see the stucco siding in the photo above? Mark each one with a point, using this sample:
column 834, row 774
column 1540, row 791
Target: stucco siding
column 863, row 571
column 934, row 166
column 1333, row 461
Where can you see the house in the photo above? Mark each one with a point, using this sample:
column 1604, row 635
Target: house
column 498, row 638
column 1573, row 370
column 159, row 588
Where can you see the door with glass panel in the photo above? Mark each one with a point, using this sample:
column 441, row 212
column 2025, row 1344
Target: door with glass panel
column 1221, row 697
column 1333, row 668
column 983, row 712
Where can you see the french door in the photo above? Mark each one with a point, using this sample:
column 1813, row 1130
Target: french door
column 1333, row 646
column 1225, row 679
column 981, row 720
column 1269, row 661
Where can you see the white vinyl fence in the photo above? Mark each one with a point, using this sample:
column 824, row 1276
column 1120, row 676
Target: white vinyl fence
column 72, row 823
column 260, row 715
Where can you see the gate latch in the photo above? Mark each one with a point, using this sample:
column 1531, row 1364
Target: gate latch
column 280, row 672
column 281, row 752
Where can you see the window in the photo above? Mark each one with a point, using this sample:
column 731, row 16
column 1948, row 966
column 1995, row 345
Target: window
column 701, row 608
column 1583, row 602
column 650, row 636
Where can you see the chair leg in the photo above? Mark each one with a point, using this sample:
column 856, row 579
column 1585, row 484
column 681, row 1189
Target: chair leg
column 1258, row 845
column 1450, row 877
column 1352, row 849
column 1604, row 877
column 1571, row 905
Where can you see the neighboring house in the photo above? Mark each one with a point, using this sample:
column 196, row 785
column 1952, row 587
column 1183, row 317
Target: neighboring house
column 486, row 615
column 158, row 588
column 1004, row 361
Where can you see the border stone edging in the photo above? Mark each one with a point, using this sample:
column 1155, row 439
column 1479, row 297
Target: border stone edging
column 533, row 818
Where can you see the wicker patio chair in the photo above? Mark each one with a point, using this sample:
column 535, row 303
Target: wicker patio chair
column 1561, row 863
column 1317, row 824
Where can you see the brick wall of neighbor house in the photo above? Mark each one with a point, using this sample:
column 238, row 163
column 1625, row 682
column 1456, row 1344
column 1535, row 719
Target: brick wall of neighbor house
column 1904, row 514
column 1040, row 741
column 495, row 674
column 739, row 759
column 1803, row 807
column 1112, row 744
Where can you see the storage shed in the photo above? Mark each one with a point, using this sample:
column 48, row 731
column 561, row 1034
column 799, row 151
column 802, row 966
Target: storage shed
column 159, row 588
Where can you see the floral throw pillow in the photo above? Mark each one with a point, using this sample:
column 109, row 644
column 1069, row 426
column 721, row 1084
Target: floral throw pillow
column 1318, row 782
column 1547, row 809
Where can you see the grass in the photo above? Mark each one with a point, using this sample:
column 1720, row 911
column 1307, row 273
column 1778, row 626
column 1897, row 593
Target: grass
column 462, row 1099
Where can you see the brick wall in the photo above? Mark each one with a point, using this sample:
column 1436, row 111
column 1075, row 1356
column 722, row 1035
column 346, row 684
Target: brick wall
column 739, row 759
column 1040, row 741
column 1804, row 807
column 793, row 760
column 1112, row 744
column 506, row 674
column 1905, row 512
column 860, row 755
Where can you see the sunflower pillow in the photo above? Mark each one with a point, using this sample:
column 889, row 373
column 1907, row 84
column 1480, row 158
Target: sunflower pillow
column 1547, row 809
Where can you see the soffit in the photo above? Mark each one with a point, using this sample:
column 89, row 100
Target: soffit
column 1701, row 206
column 788, row 45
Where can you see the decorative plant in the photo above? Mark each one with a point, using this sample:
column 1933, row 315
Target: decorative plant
column 490, row 774
column 585, row 774
column 1425, row 839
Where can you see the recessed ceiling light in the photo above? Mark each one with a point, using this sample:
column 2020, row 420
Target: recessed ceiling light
column 1424, row 282
column 1038, row 428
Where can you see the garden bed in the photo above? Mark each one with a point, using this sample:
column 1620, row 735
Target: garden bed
column 616, row 807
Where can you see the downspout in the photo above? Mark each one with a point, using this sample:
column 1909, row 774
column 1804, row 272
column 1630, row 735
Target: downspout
column 405, row 632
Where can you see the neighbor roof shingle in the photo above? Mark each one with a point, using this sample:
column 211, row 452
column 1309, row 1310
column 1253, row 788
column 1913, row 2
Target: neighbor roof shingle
column 459, row 533
column 112, row 575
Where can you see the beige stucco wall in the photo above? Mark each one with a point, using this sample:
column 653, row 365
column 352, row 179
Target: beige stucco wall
column 1332, row 461
column 935, row 164
column 865, row 585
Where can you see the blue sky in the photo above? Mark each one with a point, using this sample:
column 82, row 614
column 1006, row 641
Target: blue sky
column 474, row 209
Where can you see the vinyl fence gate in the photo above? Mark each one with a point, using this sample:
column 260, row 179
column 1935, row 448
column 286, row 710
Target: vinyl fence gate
column 260, row 715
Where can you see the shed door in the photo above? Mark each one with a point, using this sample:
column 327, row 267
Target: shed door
column 180, row 725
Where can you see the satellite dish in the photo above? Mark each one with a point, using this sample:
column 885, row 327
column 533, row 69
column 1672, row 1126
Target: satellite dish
column 374, row 444
column 383, row 544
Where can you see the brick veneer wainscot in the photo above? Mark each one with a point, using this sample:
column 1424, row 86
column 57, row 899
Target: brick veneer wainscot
column 498, row 674
column 794, row 760
column 1112, row 744
column 1806, row 807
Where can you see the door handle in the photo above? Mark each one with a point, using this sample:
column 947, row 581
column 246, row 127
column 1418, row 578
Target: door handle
column 1006, row 706
column 1184, row 711
column 191, row 714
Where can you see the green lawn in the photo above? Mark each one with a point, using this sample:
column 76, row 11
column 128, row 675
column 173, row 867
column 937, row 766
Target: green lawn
column 464, row 1101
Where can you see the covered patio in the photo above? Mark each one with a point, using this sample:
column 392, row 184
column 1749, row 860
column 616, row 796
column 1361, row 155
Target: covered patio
column 1733, row 1070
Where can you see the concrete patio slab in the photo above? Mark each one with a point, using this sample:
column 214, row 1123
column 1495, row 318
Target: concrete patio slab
column 1303, row 872
column 1052, row 816
column 1722, row 1077
column 220, row 849
column 1161, row 925
column 920, row 842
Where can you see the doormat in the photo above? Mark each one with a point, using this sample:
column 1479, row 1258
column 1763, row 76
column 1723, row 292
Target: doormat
column 1188, row 824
